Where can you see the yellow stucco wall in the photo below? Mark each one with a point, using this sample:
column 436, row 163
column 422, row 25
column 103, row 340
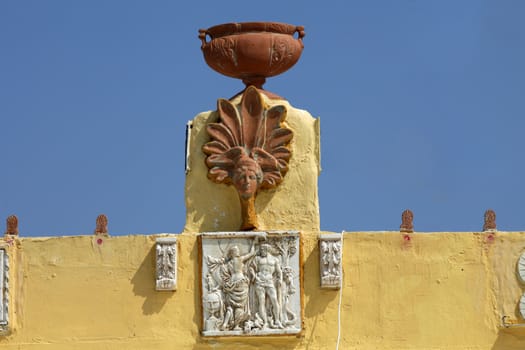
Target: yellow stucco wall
column 436, row 291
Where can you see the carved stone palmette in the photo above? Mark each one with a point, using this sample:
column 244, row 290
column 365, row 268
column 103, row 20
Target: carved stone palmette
column 166, row 264
column 251, row 283
column 4, row 291
column 330, row 246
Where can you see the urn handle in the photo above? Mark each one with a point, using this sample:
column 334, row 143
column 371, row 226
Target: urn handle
column 203, row 34
column 300, row 32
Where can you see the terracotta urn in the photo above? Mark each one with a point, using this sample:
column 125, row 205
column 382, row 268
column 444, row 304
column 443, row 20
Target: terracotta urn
column 252, row 51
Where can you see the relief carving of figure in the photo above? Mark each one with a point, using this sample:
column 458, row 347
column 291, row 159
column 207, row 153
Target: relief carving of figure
column 250, row 287
column 268, row 286
column 249, row 149
column 235, row 286
column 289, row 316
column 214, row 306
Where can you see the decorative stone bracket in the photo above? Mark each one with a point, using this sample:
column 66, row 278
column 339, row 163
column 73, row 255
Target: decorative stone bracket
column 330, row 246
column 166, row 263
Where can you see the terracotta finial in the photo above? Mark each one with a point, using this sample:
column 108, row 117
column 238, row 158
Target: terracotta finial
column 12, row 225
column 406, row 221
column 252, row 51
column 490, row 220
column 248, row 149
column 102, row 225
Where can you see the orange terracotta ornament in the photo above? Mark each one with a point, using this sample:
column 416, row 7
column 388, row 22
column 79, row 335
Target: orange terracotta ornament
column 249, row 149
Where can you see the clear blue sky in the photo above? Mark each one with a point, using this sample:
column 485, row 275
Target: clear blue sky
column 422, row 106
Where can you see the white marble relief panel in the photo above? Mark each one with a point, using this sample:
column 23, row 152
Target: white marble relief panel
column 4, row 291
column 251, row 283
column 166, row 263
column 330, row 261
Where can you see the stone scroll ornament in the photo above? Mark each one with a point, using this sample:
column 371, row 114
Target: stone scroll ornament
column 249, row 148
column 251, row 283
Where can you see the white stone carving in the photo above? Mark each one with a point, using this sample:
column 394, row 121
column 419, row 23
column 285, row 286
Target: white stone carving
column 166, row 258
column 521, row 274
column 330, row 260
column 521, row 268
column 251, row 283
column 4, row 291
column 522, row 306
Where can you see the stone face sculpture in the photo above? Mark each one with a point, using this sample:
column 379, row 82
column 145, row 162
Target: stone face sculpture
column 330, row 260
column 249, row 149
column 407, row 224
column 166, row 263
column 489, row 220
column 12, row 225
column 248, row 283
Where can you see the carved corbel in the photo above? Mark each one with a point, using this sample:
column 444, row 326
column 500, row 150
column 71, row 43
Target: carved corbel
column 330, row 253
column 166, row 263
